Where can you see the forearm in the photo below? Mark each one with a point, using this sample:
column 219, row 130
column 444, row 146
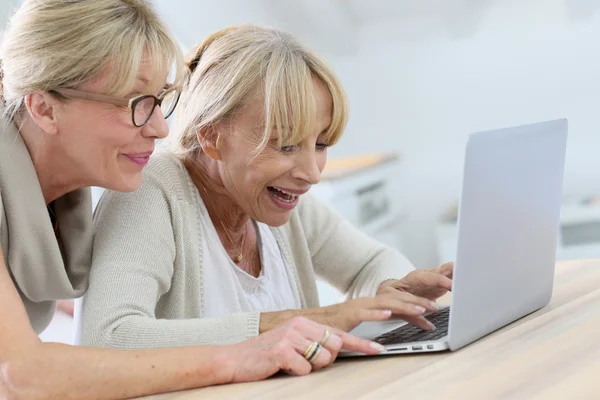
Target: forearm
column 387, row 266
column 146, row 332
column 345, row 257
column 57, row 371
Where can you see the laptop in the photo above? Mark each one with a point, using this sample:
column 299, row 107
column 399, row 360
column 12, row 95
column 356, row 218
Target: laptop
column 508, row 223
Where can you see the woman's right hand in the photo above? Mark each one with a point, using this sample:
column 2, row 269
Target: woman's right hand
column 347, row 315
column 283, row 347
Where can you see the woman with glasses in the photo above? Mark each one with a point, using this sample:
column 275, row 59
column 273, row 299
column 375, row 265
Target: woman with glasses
column 84, row 95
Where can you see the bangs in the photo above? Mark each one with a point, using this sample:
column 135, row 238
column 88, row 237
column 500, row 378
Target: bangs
column 137, row 47
column 291, row 102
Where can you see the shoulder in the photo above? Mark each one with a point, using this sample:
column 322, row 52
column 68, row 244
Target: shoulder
column 165, row 183
column 167, row 173
column 164, row 166
column 1, row 217
column 8, row 133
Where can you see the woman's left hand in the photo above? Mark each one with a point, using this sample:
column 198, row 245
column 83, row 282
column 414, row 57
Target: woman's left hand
column 428, row 283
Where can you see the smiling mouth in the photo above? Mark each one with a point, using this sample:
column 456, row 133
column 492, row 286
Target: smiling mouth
column 282, row 195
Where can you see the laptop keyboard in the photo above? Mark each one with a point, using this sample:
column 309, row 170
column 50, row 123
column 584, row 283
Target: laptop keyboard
column 410, row 333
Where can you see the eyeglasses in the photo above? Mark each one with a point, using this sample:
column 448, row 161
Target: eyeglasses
column 141, row 106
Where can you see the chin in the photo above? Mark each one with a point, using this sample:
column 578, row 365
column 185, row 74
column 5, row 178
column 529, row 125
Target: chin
column 277, row 221
column 125, row 184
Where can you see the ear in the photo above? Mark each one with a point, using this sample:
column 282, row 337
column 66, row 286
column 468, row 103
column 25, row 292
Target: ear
column 43, row 110
column 210, row 140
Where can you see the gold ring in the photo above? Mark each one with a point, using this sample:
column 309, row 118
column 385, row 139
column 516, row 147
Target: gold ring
column 312, row 352
column 310, row 349
column 325, row 338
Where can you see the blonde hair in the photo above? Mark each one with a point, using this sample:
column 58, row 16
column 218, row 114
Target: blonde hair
column 232, row 64
column 51, row 44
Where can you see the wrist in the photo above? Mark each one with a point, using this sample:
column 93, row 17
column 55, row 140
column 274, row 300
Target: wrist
column 270, row 320
column 224, row 363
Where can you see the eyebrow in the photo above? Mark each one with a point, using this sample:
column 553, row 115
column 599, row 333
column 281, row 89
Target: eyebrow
column 145, row 82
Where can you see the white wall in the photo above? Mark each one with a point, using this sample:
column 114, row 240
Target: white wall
column 418, row 83
column 7, row 7
column 417, row 90
column 318, row 22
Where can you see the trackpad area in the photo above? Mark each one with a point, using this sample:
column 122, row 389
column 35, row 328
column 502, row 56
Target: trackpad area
column 371, row 329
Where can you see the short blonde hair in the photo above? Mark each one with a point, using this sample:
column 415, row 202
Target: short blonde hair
column 232, row 64
column 51, row 44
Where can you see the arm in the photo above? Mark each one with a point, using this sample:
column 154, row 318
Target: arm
column 357, row 265
column 345, row 257
column 135, row 248
column 33, row 370
column 362, row 268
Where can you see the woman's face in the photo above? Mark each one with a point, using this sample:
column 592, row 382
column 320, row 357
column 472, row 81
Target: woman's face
column 101, row 140
column 267, row 187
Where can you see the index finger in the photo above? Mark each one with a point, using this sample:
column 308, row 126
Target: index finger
column 446, row 269
column 354, row 343
column 433, row 279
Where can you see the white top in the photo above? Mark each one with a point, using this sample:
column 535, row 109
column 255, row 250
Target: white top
column 273, row 290
column 153, row 279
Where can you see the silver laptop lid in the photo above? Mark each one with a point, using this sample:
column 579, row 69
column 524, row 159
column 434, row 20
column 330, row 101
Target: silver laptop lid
column 507, row 227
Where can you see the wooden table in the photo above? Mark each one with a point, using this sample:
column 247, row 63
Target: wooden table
column 551, row 354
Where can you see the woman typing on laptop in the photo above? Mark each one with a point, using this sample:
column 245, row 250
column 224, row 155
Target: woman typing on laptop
column 227, row 243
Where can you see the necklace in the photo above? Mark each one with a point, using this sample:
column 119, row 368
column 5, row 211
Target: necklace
column 196, row 175
column 240, row 257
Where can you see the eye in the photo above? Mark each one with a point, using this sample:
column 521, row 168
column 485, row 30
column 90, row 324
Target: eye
column 321, row 146
column 288, row 149
column 164, row 90
column 134, row 93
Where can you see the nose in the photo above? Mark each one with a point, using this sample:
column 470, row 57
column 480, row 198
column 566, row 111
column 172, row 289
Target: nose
column 307, row 168
column 157, row 126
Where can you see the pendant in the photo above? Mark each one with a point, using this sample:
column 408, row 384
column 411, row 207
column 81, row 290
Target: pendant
column 239, row 259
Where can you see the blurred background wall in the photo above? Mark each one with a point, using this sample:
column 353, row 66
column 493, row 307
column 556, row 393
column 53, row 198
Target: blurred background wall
column 422, row 75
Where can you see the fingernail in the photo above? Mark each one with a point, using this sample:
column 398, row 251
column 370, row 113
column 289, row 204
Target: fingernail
column 420, row 309
column 377, row 347
column 387, row 313
column 432, row 326
column 434, row 305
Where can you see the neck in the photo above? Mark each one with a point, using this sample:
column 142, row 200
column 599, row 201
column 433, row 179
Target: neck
column 55, row 178
column 230, row 221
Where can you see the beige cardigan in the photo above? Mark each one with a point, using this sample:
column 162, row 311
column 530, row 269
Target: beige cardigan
column 146, row 286
column 43, row 267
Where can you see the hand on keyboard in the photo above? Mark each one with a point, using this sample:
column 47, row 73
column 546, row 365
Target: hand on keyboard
column 347, row 315
column 410, row 333
column 429, row 283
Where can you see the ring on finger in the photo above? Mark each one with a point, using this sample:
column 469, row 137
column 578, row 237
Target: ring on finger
column 325, row 337
column 312, row 352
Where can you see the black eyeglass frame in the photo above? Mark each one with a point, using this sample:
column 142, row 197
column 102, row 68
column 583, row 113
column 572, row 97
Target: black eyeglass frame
column 131, row 103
